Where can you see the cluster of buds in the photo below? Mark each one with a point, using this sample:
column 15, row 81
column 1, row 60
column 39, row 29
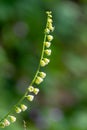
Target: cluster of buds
column 21, row 108
column 47, row 42
column 39, row 76
column 10, row 118
column 44, row 60
column 34, row 90
column 7, row 122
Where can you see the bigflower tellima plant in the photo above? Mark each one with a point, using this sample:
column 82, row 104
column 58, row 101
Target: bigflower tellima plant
column 31, row 91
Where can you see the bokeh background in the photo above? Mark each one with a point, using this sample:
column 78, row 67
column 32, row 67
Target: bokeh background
column 62, row 101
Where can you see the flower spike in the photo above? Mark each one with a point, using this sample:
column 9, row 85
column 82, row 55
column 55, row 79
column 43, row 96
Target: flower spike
column 38, row 78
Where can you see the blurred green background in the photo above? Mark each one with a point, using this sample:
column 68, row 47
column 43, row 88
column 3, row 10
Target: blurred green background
column 62, row 101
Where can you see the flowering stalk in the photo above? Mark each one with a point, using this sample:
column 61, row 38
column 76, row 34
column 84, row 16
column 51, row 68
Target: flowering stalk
column 38, row 78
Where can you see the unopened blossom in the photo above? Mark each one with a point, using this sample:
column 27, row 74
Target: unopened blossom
column 6, row 122
column 2, row 125
column 12, row 118
column 46, row 60
column 47, row 44
column 50, row 38
column 18, row 110
column 49, row 20
column 48, row 52
column 42, row 74
column 49, row 14
column 38, row 80
column 47, row 30
column 42, row 63
column 36, row 91
column 51, row 28
column 23, row 107
column 30, row 97
column 31, row 88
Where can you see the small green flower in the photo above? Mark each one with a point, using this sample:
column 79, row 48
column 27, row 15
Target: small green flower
column 42, row 74
column 30, row 97
column 42, row 63
column 47, row 30
column 23, row 107
column 31, row 88
column 2, row 125
column 49, row 13
column 47, row 44
column 46, row 60
column 51, row 28
column 18, row 110
column 12, row 118
column 6, row 122
column 50, row 38
column 36, row 91
column 38, row 80
column 48, row 52
column 50, row 20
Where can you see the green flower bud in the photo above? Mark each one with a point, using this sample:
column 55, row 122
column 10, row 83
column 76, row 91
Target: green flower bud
column 42, row 63
column 31, row 88
column 47, row 30
column 18, row 110
column 30, row 97
column 42, row 74
column 46, row 60
column 23, row 107
column 47, row 44
column 50, row 38
column 12, row 118
column 38, row 80
column 36, row 91
column 48, row 52
column 6, row 122
column 2, row 125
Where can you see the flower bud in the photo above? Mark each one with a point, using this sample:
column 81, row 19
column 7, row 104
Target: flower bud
column 50, row 16
column 36, row 91
column 38, row 80
column 30, row 97
column 47, row 30
column 2, row 125
column 50, row 20
column 48, row 52
column 51, row 28
column 50, row 38
column 18, row 110
column 42, row 63
column 46, row 60
column 6, row 122
column 48, row 12
column 47, row 44
column 31, row 88
column 12, row 119
column 23, row 107
column 42, row 74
